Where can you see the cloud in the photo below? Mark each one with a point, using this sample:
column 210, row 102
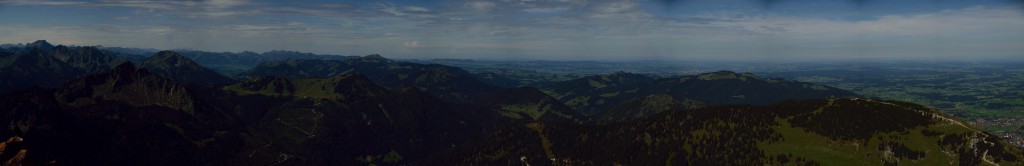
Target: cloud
column 617, row 9
column 411, row 44
column 416, row 9
column 225, row 4
column 336, row 5
column 481, row 5
column 499, row 32
column 405, row 11
column 267, row 28
column 392, row 10
column 160, row 30
column 546, row 10
column 574, row 1
column 297, row 10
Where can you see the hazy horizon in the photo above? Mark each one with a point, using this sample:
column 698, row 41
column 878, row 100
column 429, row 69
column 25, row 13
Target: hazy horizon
column 556, row 30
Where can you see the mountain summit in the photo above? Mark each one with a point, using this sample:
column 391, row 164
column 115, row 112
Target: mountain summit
column 41, row 45
column 172, row 65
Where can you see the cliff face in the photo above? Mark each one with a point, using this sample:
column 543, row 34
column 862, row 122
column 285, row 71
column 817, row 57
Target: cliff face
column 128, row 84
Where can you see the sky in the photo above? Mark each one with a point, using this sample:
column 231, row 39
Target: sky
column 601, row 30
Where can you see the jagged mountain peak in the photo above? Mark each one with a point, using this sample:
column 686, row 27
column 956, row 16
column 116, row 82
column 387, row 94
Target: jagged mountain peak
column 41, row 45
column 375, row 58
column 41, row 42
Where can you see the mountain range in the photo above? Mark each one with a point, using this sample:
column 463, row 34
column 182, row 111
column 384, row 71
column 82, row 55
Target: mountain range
column 87, row 105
